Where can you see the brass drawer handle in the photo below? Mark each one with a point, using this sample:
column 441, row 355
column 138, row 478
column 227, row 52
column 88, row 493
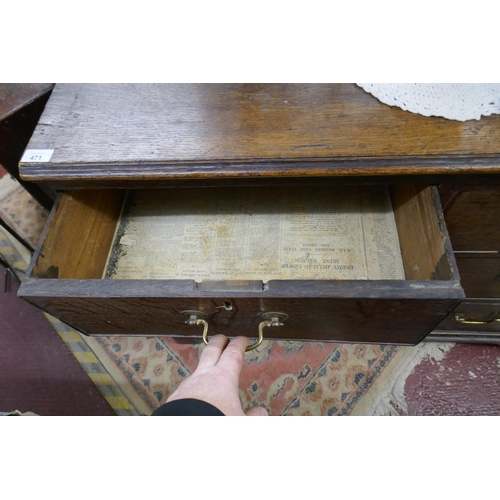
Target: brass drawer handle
column 274, row 320
column 460, row 318
column 267, row 322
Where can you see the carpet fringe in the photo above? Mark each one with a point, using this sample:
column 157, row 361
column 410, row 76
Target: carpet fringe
column 392, row 397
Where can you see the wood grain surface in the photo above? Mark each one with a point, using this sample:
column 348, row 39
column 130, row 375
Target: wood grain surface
column 479, row 274
column 420, row 233
column 172, row 131
column 78, row 236
column 366, row 319
column 473, row 215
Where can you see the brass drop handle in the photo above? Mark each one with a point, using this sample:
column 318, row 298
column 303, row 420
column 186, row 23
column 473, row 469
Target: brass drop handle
column 274, row 320
column 460, row 318
column 262, row 324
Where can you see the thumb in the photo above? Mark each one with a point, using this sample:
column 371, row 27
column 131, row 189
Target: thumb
column 257, row 411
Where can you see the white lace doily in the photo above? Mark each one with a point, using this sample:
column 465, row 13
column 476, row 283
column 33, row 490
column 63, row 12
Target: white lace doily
column 455, row 101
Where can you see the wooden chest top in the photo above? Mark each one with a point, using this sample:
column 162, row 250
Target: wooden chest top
column 150, row 132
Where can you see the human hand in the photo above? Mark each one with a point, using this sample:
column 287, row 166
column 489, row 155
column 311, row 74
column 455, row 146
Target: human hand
column 216, row 378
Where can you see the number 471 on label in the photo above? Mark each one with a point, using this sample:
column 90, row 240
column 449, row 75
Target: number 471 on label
column 37, row 155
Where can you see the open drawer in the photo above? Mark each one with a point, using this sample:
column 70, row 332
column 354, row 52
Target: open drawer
column 285, row 257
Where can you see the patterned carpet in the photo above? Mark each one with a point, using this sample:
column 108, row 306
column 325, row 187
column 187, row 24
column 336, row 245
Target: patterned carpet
column 288, row 378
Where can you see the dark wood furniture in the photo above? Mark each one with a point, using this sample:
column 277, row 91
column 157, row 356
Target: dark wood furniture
column 21, row 105
column 207, row 136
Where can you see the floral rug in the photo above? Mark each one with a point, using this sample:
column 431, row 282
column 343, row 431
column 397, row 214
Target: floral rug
column 136, row 374
column 287, row 378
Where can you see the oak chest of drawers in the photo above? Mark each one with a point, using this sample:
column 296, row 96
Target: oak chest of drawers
column 105, row 147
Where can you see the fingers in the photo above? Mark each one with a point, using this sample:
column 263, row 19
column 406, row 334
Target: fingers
column 229, row 358
column 232, row 357
column 257, row 411
column 212, row 352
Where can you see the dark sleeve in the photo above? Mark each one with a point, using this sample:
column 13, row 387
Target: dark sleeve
column 187, row 407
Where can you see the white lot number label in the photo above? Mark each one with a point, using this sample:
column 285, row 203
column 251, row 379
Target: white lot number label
column 37, row 155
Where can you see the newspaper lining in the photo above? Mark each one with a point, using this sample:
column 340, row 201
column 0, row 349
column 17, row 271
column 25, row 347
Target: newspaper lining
column 284, row 233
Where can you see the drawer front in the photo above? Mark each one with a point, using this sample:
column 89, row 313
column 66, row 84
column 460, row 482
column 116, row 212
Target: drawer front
column 472, row 217
column 368, row 320
column 473, row 316
column 479, row 275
